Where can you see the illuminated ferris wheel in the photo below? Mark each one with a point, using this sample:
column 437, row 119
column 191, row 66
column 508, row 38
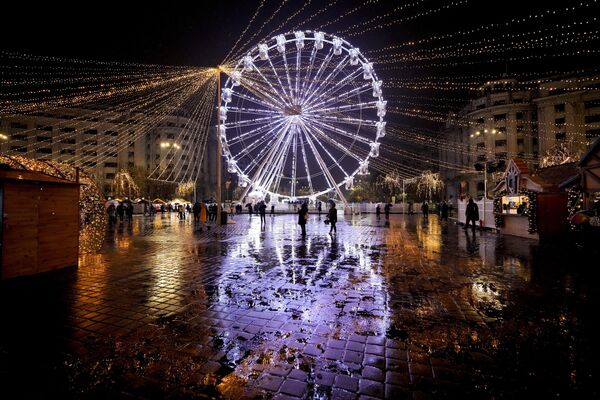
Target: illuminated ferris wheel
column 301, row 115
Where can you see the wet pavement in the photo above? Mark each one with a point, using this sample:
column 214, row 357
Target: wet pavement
column 398, row 308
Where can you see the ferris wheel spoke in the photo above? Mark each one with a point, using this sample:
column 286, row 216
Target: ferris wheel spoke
column 294, row 162
column 272, row 167
column 308, row 178
column 320, row 71
column 342, row 96
column 332, row 74
column 255, row 100
column 270, row 85
column 244, row 110
column 287, row 74
column 344, row 147
column 339, row 85
column 347, row 120
column 263, row 139
column 328, row 177
column 340, row 131
column 251, row 122
column 344, row 108
column 257, row 131
column 266, row 159
column 336, row 162
column 281, row 85
column 298, row 55
column 311, row 63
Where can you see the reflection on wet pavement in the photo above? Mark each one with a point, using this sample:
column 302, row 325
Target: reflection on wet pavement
column 397, row 308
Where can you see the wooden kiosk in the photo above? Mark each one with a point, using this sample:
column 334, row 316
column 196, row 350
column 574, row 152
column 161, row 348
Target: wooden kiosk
column 39, row 228
column 532, row 205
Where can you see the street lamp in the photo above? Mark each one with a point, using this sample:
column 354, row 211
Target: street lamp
column 3, row 136
column 169, row 145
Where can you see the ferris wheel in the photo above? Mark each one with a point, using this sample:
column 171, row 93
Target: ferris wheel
column 301, row 115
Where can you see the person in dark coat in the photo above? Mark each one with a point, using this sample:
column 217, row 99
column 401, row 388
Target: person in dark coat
column 386, row 210
column 249, row 207
column 444, row 211
column 471, row 214
column 121, row 211
column 302, row 218
column 262, row 210
column 425, row 210
column 378, row 210
column 332, row 216
column 196, row 211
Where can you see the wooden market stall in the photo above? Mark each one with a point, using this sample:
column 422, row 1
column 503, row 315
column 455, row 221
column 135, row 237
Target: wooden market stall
column 39, row 228
column 532, row 205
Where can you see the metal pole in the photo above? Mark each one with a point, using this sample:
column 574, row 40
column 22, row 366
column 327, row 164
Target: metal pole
column 484, row 191
column 403, row 201
column 218, row 145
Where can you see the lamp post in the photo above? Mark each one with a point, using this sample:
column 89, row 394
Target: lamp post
column 219, row 145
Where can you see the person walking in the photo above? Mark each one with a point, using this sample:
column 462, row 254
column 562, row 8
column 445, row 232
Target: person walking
column 444, row 211
column 121, row 211
column 181, row 211
column 319, row 208
column 262, row 210
column 378, row 211
column 471, row 213
column 386, row 209
column 272, row 210
column 249, row 207
column 303, row 218
column 425, row 210
column 332, row 215
column 196, row 211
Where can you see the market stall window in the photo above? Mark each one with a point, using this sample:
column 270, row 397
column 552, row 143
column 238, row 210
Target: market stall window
column 516, row 205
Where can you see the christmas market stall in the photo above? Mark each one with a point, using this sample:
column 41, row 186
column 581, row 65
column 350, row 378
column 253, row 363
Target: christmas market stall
column 584, row 190
column 532, row 205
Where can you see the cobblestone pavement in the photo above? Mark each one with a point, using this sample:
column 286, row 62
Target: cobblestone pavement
column 399, row 308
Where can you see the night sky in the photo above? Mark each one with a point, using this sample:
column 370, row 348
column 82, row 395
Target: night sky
column 200, row 34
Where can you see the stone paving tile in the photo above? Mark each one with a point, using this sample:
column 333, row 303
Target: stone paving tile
column 397, row 308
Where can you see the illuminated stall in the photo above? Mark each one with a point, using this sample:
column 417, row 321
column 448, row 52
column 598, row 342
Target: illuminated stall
column 532, row 205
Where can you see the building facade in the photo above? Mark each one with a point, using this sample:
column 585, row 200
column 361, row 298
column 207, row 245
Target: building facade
column 508, row 120
column 104, row 142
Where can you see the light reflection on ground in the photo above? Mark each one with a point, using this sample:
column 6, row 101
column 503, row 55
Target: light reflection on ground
column 394, row 308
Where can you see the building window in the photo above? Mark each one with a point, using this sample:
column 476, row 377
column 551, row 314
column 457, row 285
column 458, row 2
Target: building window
column 44, row 128
column 480, row 186
column 43, row 139
column 500, row 143
column 109, row 176
column 44, row 150
column 18, row 125
column 559, row 108
column 110, row 165
column 18, row 137
column 520, row 128
column 500, row 117
column 68, row 141
column 111, row 133
column 520, row 115
column 171, row 136
column 19, row 149
column 90, row 153
column 592, row 118
column 480, row 145
column 90, row 142
column 559, row 121
column 91, row 132
column 560, row 135
column 91, row 164
column 591, row 104
column 592, row 133
column 68, row 151
column 67, row 129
